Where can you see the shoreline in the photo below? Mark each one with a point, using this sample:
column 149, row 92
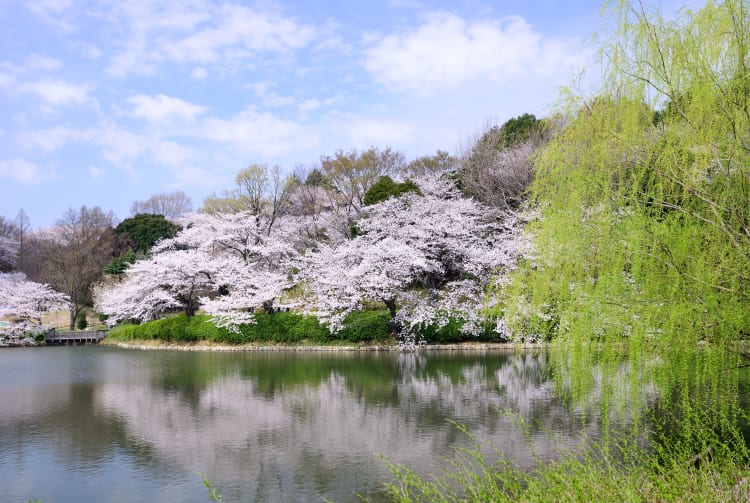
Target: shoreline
column 203, row 346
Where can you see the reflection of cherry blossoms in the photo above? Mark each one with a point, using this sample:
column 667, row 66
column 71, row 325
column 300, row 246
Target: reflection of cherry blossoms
column 23, row 302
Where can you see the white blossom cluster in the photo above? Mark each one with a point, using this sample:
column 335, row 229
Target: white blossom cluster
column 430, row 255
column 8, row 253
column 427, row 257
column 23, row 302
column 225, row 264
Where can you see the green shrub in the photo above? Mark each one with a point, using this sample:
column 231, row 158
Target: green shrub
column 178, row 328
column 447, row 334
column 118, row 266
column 81, row 322
column 364, row 326
column 146, row 229
column 451, row 333
column 122, row 332
column 287, row 328
column 385, row 188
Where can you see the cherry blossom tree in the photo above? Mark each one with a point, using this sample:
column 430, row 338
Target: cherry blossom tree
column 225, row 263
column 426, row 258
column 252, row 261
column 245, row 287
column 24, row 302
column 8, row 253
column 9, row 245
column 173, row 279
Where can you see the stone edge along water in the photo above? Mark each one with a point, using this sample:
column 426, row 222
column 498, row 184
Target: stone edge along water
column 378, row 348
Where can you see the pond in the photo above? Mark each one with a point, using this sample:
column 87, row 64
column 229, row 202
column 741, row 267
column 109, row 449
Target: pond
column 105, row 424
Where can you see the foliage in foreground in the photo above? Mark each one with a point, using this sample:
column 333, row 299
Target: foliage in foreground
column 672, row 430
column 594, row 476
column 645, row 228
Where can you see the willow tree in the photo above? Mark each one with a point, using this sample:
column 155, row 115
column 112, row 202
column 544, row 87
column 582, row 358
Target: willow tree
column 645, row 194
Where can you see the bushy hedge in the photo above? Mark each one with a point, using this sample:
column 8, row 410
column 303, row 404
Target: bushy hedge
column 451, row 333
column 284, row 328
column 385, row 188
column 287, row 328
column 291, row 328
column 178, row 328
column 365, row 326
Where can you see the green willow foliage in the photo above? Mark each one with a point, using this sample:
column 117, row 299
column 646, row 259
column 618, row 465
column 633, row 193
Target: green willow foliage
column 645, row 193
column 643, row 246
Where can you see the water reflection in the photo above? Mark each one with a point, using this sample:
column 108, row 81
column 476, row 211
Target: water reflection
column 129, row 425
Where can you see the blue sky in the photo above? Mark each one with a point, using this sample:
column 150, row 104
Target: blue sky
column 108, row 102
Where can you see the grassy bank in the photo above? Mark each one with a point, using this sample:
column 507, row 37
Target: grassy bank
column 675, row 428
column 363, row 327
column 600, row 475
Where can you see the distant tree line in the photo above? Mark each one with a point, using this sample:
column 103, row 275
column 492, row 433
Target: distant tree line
column 87, row 245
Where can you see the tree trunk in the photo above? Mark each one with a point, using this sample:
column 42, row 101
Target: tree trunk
column 391, row 305
column 73, row 316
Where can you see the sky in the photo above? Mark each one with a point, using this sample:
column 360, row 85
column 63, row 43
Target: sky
column 108, row 102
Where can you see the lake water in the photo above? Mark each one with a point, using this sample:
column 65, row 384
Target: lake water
column 113, row 425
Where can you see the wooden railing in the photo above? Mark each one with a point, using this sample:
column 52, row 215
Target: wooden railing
column 82, row 337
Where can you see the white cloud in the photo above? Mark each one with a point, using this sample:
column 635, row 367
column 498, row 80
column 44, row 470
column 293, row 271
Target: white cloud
column 6, row 78
column 405, row 4
column 227, row 35
column 169, row 152
column 193, row 176
column 269, row 98
column 308, row 105
column 48, row 7
column 447, row 52
column 52, row 11
column 95, row 172
column 162, row 109
column 47, row 140
column 58, row 92
column 118, row 145
column 23, row 171
column 38, row 62
column 199, row 73
column 365, row 132
column 236, row 25
column 253, row 132
column 90, row 51
column 273, row 100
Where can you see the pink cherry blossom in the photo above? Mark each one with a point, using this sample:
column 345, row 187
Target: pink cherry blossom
column 24, row 302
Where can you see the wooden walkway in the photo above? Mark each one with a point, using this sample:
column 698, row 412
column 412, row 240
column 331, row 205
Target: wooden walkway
column 53, row 338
